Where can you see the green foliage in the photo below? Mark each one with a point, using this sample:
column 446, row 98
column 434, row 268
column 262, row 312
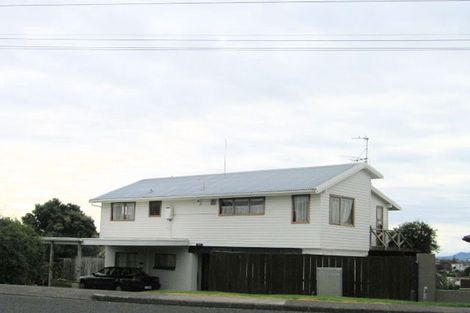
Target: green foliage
column 467, row 271
column 21, row 252
column 420, row 236
column 56, row 219
column 442, row 281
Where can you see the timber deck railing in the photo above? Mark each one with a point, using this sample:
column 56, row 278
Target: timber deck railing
column 388, row 239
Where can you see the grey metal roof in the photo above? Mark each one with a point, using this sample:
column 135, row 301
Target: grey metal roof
column 254, row 182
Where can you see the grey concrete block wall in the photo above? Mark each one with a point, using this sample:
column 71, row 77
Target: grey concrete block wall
column 426, row 276
column 453, row 296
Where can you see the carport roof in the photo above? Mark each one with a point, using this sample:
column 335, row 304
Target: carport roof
column 143, row 242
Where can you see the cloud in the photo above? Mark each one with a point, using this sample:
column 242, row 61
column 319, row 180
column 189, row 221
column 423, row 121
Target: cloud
column 77, row 124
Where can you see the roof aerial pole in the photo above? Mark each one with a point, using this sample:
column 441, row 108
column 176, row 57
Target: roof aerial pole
column 362, row 157
column 225, row 157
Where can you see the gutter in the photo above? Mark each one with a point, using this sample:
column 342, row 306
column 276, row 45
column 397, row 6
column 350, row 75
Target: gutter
column 210, row 196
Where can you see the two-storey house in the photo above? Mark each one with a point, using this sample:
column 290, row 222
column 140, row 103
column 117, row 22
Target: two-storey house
column 168, row 226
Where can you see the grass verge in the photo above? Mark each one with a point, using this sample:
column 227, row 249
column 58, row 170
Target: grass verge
column 305, row 298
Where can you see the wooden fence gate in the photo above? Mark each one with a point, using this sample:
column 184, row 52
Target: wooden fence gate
column 389, row 277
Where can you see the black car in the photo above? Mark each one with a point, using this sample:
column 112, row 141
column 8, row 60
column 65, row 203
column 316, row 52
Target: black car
column 120, row 278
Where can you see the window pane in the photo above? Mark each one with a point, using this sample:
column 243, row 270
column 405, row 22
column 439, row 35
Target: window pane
column 117, row 209
column 165, row 261
column 155, row 208
column 257, row 206
column 300, row 210
column 129, row 211
column 380, row 217
column 334, row 210
column 226, row 206
column 125, row 259
column 346, row 211
column 122, row 211
column 242, row 207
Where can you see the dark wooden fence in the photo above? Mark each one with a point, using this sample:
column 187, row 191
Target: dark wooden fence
column 390, row 277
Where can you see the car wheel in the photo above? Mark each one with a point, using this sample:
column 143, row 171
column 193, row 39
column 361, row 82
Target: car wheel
column 118, row 288
column 82, row 285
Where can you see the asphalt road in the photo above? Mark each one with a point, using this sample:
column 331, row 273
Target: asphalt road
column 37, row 304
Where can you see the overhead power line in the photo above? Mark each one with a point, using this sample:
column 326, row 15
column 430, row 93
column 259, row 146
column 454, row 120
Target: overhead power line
column 236, row 49
column 248, row 35
column 211, row 2
column 169, row 39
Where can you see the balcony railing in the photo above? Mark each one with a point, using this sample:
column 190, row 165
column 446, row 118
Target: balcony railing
column 388, row 240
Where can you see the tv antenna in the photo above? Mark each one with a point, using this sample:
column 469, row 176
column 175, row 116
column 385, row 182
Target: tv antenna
column 364, row 156
column 225, row 157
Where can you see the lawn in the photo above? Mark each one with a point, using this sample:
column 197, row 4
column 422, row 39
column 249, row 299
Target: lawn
column 305, row 298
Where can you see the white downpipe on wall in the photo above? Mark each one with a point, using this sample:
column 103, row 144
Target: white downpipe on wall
column 168, row 214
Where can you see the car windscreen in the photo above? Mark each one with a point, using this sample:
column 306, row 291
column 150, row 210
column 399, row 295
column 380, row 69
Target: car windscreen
column 132, row 271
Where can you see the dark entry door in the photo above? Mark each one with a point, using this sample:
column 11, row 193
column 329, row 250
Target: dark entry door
column 205, row 259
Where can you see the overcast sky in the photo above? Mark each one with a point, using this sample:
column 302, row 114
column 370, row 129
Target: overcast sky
column 76, row 124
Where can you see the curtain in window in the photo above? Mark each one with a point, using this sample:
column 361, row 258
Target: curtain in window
column 129, row 211
column 334, row 210
column 242, row 206
column 117, row 209
column 257, row 206
column 346, row 211
column 301, row 208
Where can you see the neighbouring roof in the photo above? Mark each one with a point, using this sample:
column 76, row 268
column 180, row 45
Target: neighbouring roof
column 292, row 180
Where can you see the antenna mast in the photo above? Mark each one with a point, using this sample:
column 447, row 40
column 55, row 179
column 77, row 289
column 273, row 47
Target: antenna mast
column 361, row 157
column 225, row 157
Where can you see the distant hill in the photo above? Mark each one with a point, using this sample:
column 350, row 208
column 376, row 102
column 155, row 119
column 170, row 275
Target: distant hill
column 463, row 256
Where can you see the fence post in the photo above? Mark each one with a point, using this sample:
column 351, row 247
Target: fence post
column 51, row 263
column 78, row 262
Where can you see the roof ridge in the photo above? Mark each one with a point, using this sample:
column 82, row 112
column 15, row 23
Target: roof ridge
column 249, row 171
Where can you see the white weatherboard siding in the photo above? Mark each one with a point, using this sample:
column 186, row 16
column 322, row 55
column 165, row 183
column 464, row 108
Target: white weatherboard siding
column 200, row 222
column 143, row 226
column 348, row 238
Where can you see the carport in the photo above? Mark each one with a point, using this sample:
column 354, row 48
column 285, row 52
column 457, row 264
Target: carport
column 183, row 276
column 167, row 258
column 79, row 242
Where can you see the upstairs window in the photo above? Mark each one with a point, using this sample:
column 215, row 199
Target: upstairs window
column 241, row 206
column 341, row 211
column 123, row 211
column 300, row 208
column 155, row 208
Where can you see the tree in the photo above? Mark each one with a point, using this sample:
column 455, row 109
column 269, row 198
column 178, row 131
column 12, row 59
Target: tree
column 56, row 219
column 420, row 236
column 467, row 271
column 21, row 253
